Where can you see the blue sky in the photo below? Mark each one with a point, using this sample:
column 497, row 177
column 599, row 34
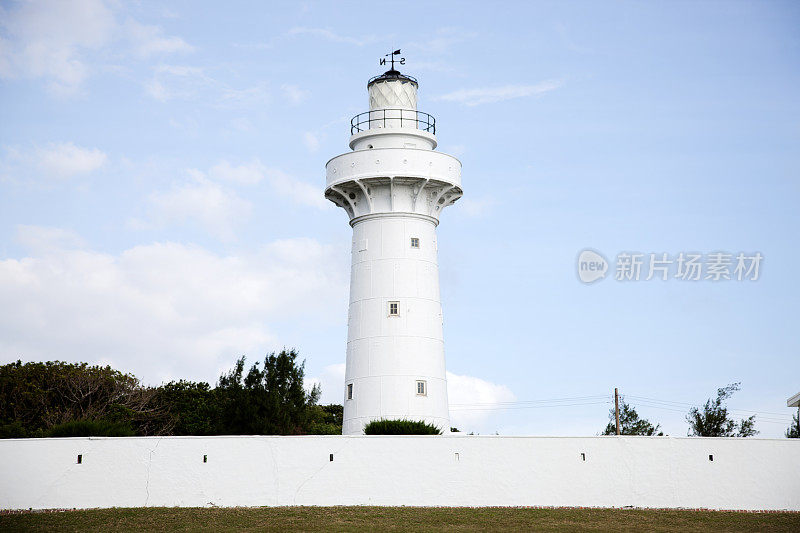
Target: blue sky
column 162, row 171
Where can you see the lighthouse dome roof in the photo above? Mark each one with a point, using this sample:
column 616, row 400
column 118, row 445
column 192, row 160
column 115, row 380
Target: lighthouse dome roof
column 393, row 75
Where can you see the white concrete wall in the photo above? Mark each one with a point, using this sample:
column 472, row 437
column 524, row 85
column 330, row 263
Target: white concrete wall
column 426, row 471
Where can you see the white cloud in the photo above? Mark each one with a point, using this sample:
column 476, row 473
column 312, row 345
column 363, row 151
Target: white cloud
column 49, row 163
column 328, row 35
column 255, row 171
column 442, row 40
column 54, row 41
column 185, row 82
column 473, row 97
column 150, row 40
column 245, row 97
column 157, row 90
column 180, row 70
column 219, row 209
column 332, row 382
column 188, row 126
column 164, row 310
column 65, row 160
column 46, row 40
column 241, row 124
column 298, row 191
column 200, row 200
column 311, row 141
column 246, row 174
column 457, row 150
column 472, row 399
column 568, row 42
column 475, row 207
column 294, row 94
column 176, row 81
column 42, row 239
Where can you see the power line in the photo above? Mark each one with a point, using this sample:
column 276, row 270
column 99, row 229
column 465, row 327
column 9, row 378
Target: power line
column 601, row 399
column 499, row 408
column 693, row 405
column 526, row 402
column 766, row 416
column 768, row 420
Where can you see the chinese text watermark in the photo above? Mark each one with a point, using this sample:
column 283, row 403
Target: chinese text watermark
column 683, row 266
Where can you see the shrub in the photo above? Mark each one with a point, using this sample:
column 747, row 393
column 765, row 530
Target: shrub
column 324, row 420
column 91, row 428
column 14, row 430
column 400, row 427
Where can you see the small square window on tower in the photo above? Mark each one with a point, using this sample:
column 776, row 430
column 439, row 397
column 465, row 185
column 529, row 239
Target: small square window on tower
column 422, row 388
column 394, row 308
column 349, row 391
column 415, row 242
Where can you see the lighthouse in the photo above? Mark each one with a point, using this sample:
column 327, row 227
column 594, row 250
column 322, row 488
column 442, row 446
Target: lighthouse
column 393, row 186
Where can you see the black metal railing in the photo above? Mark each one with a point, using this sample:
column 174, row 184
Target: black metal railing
column 403, row 118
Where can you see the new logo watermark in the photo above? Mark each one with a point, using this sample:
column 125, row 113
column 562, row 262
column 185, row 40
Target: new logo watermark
column 683, row 266
column 591, row 266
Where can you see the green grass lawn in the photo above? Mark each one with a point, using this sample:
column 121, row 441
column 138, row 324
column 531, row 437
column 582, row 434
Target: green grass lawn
column 397, row 519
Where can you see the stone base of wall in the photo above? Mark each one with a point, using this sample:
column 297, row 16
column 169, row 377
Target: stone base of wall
column 452, row 470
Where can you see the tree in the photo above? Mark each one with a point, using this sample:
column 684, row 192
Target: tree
column 629, row 422
column 713, row 420
column 794, row 430
column 75, row 399
column 269, row 400
column 37, row 397
column 193, row 405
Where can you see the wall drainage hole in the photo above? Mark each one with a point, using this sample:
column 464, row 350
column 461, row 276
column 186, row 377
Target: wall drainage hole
column 205, row 458
column 80, row 459
column 710, row 457
column 331, row 457
column 583, row 456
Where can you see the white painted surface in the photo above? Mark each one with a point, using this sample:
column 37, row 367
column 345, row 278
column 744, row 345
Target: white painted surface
column 393, row 187
column 388, row 162
column 387, row 355
column 387, row 138
column 755, row 474
column 392, row 94
column 794, row 401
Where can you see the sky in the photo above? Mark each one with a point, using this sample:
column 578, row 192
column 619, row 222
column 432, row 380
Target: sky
column 162, row 211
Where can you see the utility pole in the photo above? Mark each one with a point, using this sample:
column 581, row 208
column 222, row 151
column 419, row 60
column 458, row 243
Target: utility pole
column 616, row 407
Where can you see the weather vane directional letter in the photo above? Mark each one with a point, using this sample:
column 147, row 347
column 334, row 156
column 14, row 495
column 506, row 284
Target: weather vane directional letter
column 391, row 55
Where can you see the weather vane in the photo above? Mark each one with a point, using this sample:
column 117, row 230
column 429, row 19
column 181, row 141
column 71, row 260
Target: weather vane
column 401, row 61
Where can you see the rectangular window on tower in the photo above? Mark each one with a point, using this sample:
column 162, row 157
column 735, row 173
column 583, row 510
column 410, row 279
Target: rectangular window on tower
column 415, row 242
column 349, row 391
column 422, row 388
column 394, row 308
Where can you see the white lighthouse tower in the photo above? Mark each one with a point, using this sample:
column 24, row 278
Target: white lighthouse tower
column 394, row 186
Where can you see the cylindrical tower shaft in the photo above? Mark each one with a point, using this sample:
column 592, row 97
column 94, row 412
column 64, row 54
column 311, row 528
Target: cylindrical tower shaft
column 393, row 187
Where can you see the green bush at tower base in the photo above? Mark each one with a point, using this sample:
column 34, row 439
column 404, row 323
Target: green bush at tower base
column 400, row 427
